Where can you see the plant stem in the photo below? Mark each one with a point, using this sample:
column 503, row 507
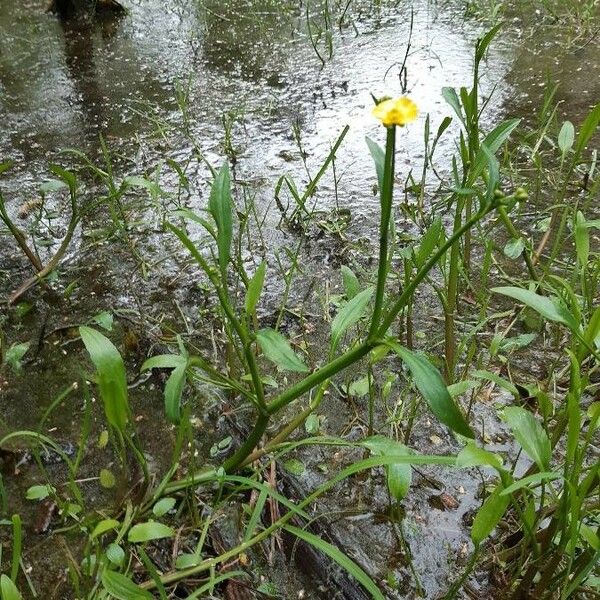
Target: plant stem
column 19, row 237
column 387, row 191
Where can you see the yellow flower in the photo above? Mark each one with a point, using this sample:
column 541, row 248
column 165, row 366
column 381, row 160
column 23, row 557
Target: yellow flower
column 398, row 111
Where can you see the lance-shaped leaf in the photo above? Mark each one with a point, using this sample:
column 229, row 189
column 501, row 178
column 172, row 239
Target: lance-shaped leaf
column 378, row 158
column 349, row 315
column 220, row 207
column 112, row 379
column 255, row 288
column 277, row 349
column 489, row 515
column 530, row 434
column 399, row 476
column 339, row 557
column 433, row 389
column 122, row 588
column 550, row 308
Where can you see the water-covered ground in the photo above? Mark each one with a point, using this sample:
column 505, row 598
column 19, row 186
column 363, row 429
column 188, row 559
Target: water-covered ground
column 189, row 81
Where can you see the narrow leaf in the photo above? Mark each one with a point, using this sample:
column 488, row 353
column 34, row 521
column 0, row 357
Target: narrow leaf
column 8, row 589
column 340, row 558
column 566, row 137
column 173, row 392
column 530, row 434
column 399, row 476
column 350, row 281
column 550, row 308
column 112, row 380
column 164, row 361
column 220, row 207
column 378, row 158
column 255, row 288
column 489, row 515
column 122, row 588
column 530, row 479
column 349, row 315
column 433, row 389
column 277, row 349
column 588, row 128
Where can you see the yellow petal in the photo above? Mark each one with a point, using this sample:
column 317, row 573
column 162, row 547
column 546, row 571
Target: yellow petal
column 399, row 111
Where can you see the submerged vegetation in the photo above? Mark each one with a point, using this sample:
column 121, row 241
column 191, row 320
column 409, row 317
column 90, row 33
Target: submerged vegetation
column 460, row 339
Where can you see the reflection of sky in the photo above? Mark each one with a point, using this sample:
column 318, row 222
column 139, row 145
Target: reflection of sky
column 241, row 56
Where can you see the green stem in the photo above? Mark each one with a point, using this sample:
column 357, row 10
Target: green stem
column 452, row 298
column 234, row 461
column 19, row 237
column 387, row 191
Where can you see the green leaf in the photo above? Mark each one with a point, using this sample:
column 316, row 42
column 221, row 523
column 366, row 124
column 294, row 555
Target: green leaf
column 122, row 588
column 186, row 213
column 526, row 481
column 220, row 207
column 164, row 361
column 349, row 315
column 5, row 166
column 104, row 319
column 498, row 380
column 433, row 389
column 294, row 466
column 429, row 242
column 399, row 476
column 491, row 144
column 473, row 456
column 151, row 530
column 8, row 589
column 134, row 181
column 39, row 492
column 277, row 349
column 52, row 185
column 173, row 392
column 112, row 380
column 14, row 355
column 566, row 137
column 592, row 331
column 588, row 129
column 185, row 561
column 378, row 158
column 359, row 388
column 484, row 42
column 489, row 515
column 514, row 248
column 103, row 526
column 530, row 434
column 350, row 282
column 255, row 288
column 582, row 239
column 340, row 558
column 68, row 177
column 451, row 97
column 107, row 479
column 163, row 506
column 550, row 308
column 115, row 554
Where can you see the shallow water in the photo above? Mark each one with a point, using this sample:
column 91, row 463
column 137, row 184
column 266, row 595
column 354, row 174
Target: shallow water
column 62, row 87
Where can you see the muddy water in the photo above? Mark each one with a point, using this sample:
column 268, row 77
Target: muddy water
column 252, row 64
